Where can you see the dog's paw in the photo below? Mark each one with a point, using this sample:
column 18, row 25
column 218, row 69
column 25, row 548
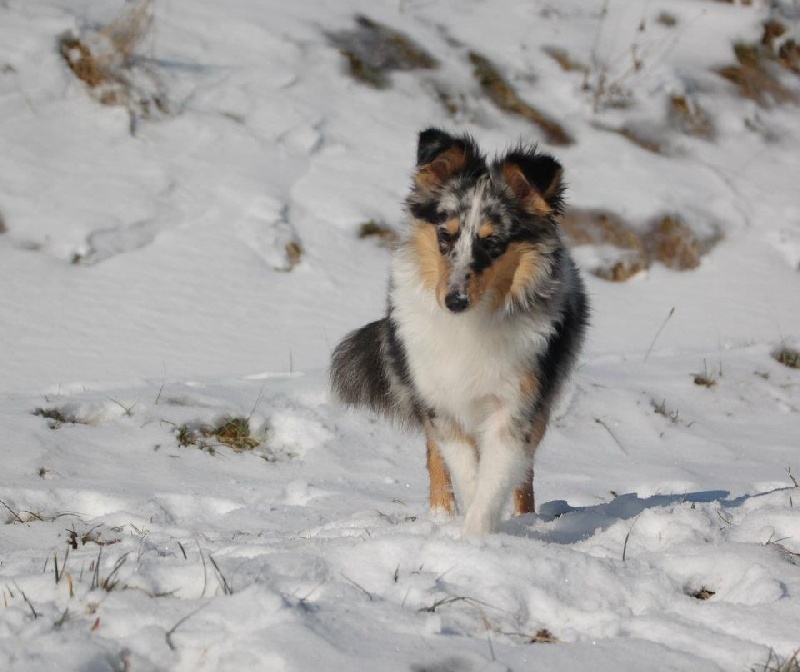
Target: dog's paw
column 477, row 523
column 442, row 514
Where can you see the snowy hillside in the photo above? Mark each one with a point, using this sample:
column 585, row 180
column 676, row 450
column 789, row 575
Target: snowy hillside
column 198, row 200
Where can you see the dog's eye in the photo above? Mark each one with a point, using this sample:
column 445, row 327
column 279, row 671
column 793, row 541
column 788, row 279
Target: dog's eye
column 493, row 247
column 445, row 238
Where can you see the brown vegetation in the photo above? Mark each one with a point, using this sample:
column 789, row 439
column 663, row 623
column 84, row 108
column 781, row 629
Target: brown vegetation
column 503, row 95
column 106, row 61
column 787, row 356
column 665, row 239
column 562, row 57
column 684, row 114
column 233, row 432
column 756, row 73
column 373, row 51
column 385, row 235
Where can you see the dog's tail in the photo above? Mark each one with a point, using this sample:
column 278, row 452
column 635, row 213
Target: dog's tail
column 361, row 374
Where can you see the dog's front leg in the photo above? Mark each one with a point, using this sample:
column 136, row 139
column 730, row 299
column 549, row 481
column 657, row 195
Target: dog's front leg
column 442, row 500
column 504, row 462
column 460, row 455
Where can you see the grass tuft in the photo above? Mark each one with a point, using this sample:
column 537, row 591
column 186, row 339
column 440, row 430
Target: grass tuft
column 660, row 408
column 108, row 62
column 233, row 432
column 687, row 116
column 58, row 417
column 701, row 594
column 544, row 636
column 787, row 356
column 294, row 253
column 704, row 379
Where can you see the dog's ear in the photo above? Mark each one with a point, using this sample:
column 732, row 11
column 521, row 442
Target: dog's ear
column 536, row 180
column 440, row 156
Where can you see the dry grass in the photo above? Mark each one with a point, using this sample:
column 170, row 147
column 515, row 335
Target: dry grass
column 233, row 432
column 702, row 594
column 704, row 379
column 129, row 29
column 666, row 19
column 787, row 356
column 599, row 227
column 641, row 137
column 687, row 116
column 294, row 253
column 544, row 636
column 754, row 74
column 567, row 63
column 774, row 663
column 673, row 244
column 58, row 417
column 385, row 235
column 789, row 56
column 373, row 51
column 666, row 240
column 503, row 95
column 24, row 517
column 106, row 60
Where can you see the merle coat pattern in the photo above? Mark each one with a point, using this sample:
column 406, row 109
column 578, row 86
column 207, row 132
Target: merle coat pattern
column 486, row 317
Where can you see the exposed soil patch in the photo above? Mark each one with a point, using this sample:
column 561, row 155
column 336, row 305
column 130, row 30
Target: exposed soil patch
column 373, row 51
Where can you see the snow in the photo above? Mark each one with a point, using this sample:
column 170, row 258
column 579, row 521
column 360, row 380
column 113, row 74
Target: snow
column 146, row 288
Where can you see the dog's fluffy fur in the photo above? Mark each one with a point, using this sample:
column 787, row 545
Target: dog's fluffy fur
column 486, row 317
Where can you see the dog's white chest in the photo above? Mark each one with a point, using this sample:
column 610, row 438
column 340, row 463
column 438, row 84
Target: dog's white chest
column 466, row 364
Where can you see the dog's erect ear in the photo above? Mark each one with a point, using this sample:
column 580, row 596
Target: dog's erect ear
column 440, row 156
column 535, row 180
column 432, row 142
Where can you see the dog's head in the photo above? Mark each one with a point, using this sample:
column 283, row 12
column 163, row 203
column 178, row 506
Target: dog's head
column 484, row 233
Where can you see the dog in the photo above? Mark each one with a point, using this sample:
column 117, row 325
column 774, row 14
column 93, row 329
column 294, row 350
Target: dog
column 486, row 317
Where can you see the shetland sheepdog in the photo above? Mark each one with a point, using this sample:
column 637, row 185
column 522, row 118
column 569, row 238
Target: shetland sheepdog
column 485, row 320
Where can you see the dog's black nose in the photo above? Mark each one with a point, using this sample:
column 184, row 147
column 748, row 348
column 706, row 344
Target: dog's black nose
column 456, row 302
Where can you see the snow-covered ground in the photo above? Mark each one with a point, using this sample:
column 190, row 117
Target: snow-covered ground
column 146, row 292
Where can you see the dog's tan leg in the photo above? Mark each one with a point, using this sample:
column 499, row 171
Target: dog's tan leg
column 523, row 495
column 441, row 488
